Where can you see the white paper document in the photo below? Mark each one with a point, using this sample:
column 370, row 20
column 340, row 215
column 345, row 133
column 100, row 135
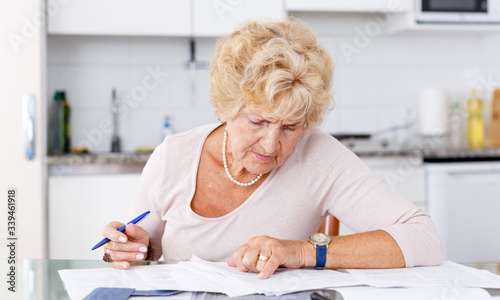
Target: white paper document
column 283, row 281
column 446, row 274
column 200, row 275
column 412, row 293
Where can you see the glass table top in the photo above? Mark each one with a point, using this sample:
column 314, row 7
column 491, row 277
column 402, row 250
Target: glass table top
column 39, row 279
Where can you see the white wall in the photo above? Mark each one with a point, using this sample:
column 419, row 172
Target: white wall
column 375, row 87
column 89, row 67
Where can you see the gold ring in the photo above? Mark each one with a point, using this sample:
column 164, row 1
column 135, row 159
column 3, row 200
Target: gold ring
column 263, row 258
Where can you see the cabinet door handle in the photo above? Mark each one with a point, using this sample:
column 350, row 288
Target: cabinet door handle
column 29, row 121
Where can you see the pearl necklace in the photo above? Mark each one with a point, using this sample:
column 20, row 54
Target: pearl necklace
column 227, row 170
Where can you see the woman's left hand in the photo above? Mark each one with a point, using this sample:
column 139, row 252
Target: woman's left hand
column 263, row 255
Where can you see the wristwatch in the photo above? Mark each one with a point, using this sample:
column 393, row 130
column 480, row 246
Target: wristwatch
column 320, row 242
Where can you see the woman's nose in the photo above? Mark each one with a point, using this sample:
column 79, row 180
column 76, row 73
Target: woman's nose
column 270, row 141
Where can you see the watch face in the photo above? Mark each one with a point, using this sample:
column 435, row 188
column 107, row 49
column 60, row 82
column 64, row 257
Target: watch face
column 320, row 239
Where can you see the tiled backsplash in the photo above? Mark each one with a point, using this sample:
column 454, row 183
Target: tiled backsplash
column 377, row 79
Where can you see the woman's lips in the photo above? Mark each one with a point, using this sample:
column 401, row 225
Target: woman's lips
column 262, row 157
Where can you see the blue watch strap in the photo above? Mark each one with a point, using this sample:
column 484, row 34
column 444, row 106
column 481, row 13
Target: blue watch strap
column 320, row 257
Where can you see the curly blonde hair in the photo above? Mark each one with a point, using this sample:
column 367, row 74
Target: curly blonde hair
column 276, row 67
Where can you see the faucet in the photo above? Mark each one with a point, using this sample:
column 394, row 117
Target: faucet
column 115, row 139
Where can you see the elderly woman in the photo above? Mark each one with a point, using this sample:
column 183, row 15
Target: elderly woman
column 253, row 189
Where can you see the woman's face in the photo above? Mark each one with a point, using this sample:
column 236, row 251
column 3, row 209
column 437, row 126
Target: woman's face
column 260, row 144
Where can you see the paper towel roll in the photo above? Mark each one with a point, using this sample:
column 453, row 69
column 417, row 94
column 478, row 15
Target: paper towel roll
column 432, row 112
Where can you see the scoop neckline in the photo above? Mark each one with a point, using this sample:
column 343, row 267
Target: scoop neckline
column 196, row 164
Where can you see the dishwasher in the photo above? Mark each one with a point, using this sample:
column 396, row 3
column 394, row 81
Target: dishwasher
column 463, row 199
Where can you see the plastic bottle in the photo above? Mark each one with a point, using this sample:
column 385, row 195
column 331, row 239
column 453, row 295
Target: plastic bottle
column 475, row 122
column 61, row 119
column 456, row 126
column 167, row 128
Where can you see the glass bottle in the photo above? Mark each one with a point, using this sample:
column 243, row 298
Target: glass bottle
column 475, row 122
column 62, row 141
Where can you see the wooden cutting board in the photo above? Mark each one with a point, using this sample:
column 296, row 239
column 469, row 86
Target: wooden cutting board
column 494, row 135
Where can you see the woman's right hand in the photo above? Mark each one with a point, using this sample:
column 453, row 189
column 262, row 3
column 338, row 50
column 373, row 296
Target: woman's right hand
column 125, row 247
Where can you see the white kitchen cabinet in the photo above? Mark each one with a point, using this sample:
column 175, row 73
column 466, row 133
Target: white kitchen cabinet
column 463, row 202
column 220, row 17
column 349, row 6
column 120, row 17
column 80, row 206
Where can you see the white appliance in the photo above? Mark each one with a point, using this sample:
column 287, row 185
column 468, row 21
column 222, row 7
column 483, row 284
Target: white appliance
column 463, row 199
column 22, row 134
column 457, row 11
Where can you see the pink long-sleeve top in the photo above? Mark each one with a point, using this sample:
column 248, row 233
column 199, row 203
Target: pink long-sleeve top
column 318, row 178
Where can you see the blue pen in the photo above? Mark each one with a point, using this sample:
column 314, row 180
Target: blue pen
column 122, row 229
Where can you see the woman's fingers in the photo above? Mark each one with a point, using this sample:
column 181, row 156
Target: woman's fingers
column 263, row 255
column 237, row 258
column 261, row 263
column 230, row 262
column 111, row 232
column 120, row 255
column 122, row 259
column 125, row 247
column 250, row 258
column 132, row 232
column 123, row 265
column 257, row 256
column 136, row 234
column 269, row 267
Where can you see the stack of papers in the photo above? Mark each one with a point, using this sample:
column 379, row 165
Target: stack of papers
column 446, row 274
column 413, row 293
column 200, row 275
column 217, row 277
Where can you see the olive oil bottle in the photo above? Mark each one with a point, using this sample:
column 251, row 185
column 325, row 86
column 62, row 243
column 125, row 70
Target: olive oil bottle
column 475, row 122
column 62, row 130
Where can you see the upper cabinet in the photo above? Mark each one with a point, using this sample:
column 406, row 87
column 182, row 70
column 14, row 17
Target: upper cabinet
column 202, row 18
column 349, row 6
column 157, row 17
column 220, row 17
column 120, row 17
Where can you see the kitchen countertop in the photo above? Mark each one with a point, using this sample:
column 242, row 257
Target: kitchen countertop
column 461, row 155
column 99, row 158
column 119, row 163
column 99, row 163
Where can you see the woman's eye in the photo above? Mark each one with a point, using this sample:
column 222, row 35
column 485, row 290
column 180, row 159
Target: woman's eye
column 290, row 127
column 256, row 122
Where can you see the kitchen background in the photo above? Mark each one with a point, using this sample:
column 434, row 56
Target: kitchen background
column 384, row 62
column 376, row 85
